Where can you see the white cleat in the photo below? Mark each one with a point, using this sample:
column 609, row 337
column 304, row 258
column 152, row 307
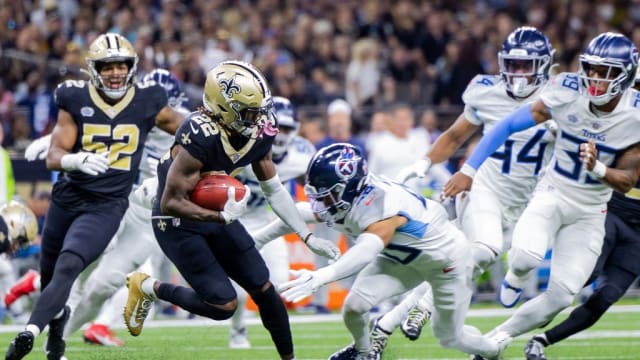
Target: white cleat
column 238, row 339
column 509, row 295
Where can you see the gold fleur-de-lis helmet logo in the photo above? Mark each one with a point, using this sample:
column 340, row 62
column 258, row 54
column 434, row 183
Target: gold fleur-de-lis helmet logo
column 229, row 88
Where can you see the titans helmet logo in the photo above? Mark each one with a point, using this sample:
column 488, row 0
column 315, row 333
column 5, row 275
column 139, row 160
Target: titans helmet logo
column 229, row 88
column 347, row 164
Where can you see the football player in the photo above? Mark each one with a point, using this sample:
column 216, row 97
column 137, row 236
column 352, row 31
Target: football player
column 291, row 155
column 595, row 152
column 395, row 250
column 134, row 242
column 234, row 128
column 616, row 269
column 505, row 182
column 97, row 143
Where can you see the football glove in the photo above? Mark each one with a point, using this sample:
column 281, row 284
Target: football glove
column 234, row 209
column 305, row 283
column 417, row 169
column 88, row 163
column 145, row 194
column 322, row 247
column 38, row 149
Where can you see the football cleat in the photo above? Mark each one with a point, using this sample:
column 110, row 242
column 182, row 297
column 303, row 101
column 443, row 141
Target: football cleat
column 27, row 284
column 412, row 325
column 238, row 339
column 509, row 295
column 55, row 342
column 378, row 338
column 534, row 350
column 348, row 353
column 100, row 334
column 138, row 303
column 20, row 346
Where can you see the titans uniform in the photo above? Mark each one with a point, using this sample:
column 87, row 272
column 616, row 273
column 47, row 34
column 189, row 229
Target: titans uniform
column 427, row 248
column 505, row 181
column 207, row 253
column 568, row 207
column 82, row 203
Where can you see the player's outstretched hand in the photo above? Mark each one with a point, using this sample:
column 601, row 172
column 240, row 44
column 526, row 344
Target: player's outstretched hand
column 323, row 247
column 38, row 149
column 88, row 163
column 304, row 284
column 145, row 194
column 458, row 183
column 234, row 209
column 416, row 170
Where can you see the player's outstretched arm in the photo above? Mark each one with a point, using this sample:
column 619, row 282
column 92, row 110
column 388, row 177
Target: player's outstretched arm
column 169, row 120
column 368, row 245
column 444, row 147
column 277, row 227
column 521, row 119
column 182, row 177
column 623, row 177
column 284, row 206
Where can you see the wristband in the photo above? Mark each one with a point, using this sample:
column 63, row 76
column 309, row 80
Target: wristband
column 306, row 238
column 468, row 170
column 599, row 170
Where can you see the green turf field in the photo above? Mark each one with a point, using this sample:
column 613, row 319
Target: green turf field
column 616, row 336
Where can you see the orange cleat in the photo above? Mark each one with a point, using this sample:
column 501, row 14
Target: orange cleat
column 27, row 284
column 101, row 335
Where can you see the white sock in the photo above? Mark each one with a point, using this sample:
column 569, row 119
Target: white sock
column 147, row 287
column 34, row 329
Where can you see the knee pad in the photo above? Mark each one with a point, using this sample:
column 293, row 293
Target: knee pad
column 354, row 303
column 558, row 298
column 522, row 262
column 69, row 264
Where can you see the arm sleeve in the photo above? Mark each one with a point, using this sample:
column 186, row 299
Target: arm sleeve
column 283, row 205
column 517, row 121
column 367, row 247
column 277, row 227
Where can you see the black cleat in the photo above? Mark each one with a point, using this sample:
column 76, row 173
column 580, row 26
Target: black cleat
column 20, row 346
column 55, row 343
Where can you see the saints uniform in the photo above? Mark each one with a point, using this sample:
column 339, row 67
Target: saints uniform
column 206, row 253
column 427, row 248
column 133, row 244
column 504, row 183
column 568, row 208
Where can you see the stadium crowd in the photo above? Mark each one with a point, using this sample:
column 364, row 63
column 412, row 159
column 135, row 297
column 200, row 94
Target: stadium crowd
column 372, row 53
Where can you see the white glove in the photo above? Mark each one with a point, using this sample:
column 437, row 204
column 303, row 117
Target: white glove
column 234, row 209
column 305, row 284
column 38, row 149
column 417, row 169
column 323, row 247
column 88, row 163
column 145, row 194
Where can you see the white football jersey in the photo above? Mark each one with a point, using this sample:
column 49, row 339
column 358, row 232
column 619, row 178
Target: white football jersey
column 428, row 228
column 612, row 132
column 292, row 166
column 512, row 171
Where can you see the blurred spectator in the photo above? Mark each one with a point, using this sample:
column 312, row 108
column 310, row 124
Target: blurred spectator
column 34, row 96
column 429, row 126
column 378, row 127
column 399, row 146
column 339, row 126
column 7, row 106
column 363, row 74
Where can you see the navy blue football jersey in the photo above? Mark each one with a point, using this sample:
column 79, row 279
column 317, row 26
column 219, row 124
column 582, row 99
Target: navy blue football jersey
column 120, row 129
column 626, row 206
column 203, row 138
